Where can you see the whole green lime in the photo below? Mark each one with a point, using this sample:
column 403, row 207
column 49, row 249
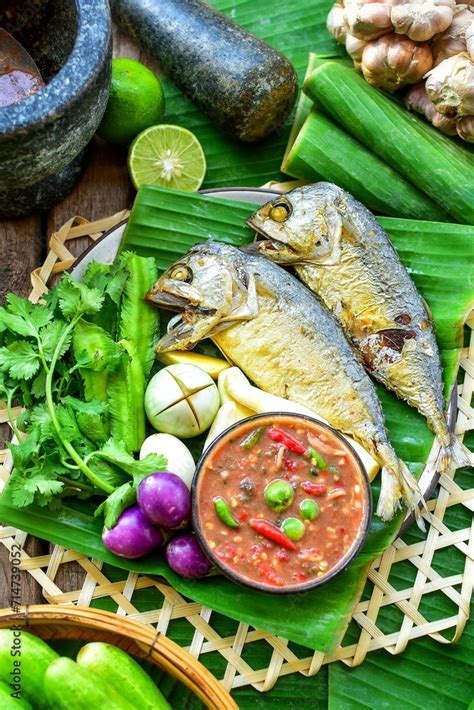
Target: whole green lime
column 136, row 101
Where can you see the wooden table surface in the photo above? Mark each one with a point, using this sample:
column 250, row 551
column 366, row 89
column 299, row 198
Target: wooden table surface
column 103, row 190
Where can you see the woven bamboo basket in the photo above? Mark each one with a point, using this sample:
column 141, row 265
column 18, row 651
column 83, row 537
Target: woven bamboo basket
column 416, row 556
column 53, row 622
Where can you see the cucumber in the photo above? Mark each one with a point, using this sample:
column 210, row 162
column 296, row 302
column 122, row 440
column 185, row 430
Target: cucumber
column 24, row 659
column 69, row 687
column 9, row 702
column 118, row 668
column 245, row 86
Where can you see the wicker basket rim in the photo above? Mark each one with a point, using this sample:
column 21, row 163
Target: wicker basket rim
column 160, row 650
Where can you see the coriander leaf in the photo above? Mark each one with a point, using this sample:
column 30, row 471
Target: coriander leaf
column 23, row 317
column 108, row 473
column 45, row 491
column 92, row 407
column 20, row 495
column 27, row 489
column 20, row 359
column 94, row 349
column 77, row 299
column 115, row 452
column 89, row 417
column 40, row 417
column 67, row 421
column 109, row 279
column 24, row 453
column 50, row 336
column 38, row 386
column 113, row 506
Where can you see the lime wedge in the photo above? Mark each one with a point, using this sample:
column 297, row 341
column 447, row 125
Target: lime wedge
column 170, row 156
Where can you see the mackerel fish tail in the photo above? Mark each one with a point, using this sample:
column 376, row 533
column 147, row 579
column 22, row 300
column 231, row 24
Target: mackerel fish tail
column 398, row 483
column 454, row 456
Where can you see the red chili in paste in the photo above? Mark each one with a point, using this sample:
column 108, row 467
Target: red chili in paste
column 274, row 480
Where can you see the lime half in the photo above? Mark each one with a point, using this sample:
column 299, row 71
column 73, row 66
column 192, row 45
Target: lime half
column 170, row 156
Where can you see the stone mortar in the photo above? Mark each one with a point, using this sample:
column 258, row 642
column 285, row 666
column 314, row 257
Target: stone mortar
column 43, row 137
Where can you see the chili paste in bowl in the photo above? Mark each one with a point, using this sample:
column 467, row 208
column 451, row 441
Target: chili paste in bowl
column 281, row 502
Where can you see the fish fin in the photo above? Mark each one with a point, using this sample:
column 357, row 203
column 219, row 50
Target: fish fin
column 398, row 483
column 455, row 455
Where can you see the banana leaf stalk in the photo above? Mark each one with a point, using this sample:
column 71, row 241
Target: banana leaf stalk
column 434, row 163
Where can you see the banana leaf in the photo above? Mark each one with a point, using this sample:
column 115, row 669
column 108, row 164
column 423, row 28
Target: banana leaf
column 166, row 223
column 294, row 29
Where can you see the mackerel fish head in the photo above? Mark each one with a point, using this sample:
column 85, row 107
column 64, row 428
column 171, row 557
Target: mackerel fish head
column 211, row 288
column 303, row 226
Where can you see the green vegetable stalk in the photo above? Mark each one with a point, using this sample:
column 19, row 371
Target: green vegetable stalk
column 325, row 151
column 436, row 164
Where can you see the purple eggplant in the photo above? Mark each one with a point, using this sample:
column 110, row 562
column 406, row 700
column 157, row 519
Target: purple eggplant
column 164, row 499
column 133, row 535
column 186, row 558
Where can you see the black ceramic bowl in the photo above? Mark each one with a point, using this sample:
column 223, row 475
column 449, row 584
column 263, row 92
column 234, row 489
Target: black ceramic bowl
column 201, row 498
column 42, row 137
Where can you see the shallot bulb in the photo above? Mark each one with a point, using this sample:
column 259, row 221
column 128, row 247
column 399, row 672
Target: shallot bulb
column 420, row 20
column 465, row 128
column 368, row 19
column 450, row 86
column 453, row 40
column 391, row 62
column 336, row 22
column 416, row 99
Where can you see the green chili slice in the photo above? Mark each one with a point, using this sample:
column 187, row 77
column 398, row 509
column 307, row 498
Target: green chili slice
column 224, row 512
column 316, row 458
column 252, row 438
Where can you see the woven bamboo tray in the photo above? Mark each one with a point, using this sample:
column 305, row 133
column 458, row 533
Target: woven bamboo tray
column 419, row 558
column 79, row 624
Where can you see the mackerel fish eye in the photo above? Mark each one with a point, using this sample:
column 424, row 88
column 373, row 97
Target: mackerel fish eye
column 280, row 211
column 181, row 272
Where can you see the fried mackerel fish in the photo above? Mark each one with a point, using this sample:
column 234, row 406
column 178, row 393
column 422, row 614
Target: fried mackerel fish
column 342, row 254
column 266, row 322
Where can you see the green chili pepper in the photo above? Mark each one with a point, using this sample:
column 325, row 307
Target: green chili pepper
column 252, row 438
column 316, row 458
column 278, row 495
column 224, row 512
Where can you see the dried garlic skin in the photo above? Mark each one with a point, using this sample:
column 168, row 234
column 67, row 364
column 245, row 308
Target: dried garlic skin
column 392, row 61
column 368, row 19
column 420, row 20
column 450, row 86
column 355, row 48
column 453, row 40
column 336, row 22
column 465, row 128
column 470, row 40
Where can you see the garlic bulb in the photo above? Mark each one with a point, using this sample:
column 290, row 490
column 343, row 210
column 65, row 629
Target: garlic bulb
column 368, row 19
column 421, row 19
column 336, row 22
column 416, row 99
column 393, row 61
column 469, row 37
column 465, row 128
column 354, row 48
column 446, row 125
column 453, row 40
column 450, row 86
